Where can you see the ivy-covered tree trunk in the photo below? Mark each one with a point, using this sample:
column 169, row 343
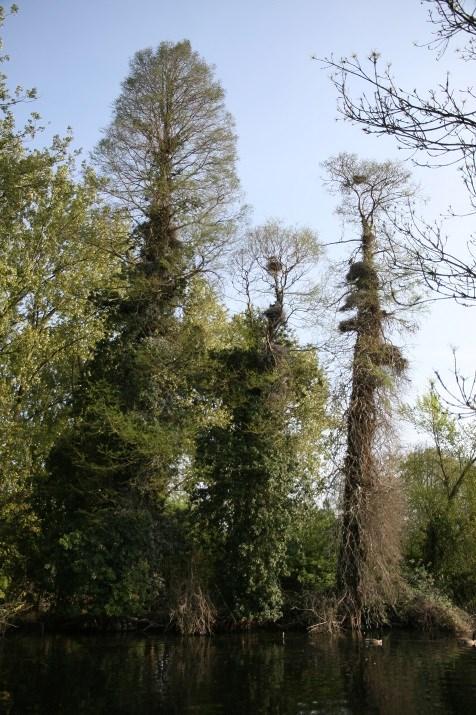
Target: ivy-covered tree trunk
column 360, row 468
column 368, row 562
column 252, row 464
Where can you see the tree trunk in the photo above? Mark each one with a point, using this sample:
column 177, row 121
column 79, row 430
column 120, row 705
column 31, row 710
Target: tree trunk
column 359, row 466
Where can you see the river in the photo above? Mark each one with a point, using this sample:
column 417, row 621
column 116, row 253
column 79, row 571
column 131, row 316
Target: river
column 235, row 674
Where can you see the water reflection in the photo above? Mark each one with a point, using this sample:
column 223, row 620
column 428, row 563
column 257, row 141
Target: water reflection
column 235, row 675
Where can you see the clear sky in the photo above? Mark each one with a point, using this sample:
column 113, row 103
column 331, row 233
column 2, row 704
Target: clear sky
column 76, row 53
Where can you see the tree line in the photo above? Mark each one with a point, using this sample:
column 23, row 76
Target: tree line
column 165, row 459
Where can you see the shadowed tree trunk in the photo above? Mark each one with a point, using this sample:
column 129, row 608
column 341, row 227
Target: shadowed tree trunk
column 360, row 468
column 368, row 561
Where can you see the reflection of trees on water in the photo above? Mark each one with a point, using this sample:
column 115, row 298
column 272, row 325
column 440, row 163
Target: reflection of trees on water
column 416, row 675
column 252, row 673
column 85, row 675
column 240, row 673
column 419, row 678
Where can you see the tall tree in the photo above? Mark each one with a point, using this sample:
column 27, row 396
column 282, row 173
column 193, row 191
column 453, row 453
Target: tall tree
column 254, row 465
column 168, row 157
column 369, row 551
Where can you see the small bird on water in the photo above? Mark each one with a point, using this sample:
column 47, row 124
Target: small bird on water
column 374, row 641
column 471, row 642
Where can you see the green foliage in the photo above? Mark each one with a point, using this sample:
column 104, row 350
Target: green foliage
column 441, row 534
column 103, row 505
column 136, row 406
column 312, row 550
column 103, row 566
column 152, row 449
column 441, row 490
column 249, row 470
column 59, row 246
column 171, row 147
column 424, row 605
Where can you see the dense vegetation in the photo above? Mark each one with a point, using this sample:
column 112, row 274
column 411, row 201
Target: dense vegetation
column 166, row 458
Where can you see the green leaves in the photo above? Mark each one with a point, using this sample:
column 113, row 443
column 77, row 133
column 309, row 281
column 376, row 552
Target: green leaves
column 250, row 467
column 60, row 246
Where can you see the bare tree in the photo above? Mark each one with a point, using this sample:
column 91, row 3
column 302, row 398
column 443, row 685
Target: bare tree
column 460, row 397
column 368, row 563
column 277, row 262
column 437, row 125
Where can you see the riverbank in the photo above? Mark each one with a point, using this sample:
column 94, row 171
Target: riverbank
column 418, row 611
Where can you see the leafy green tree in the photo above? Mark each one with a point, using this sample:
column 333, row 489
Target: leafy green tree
column 251, row 469
column 168, row 158
column 440, row 482
column 312, row 550
column 59, row 246
column 169, row 154
column 111, row 506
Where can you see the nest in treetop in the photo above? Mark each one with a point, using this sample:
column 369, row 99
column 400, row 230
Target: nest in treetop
column 274, row 265
column 355, row 180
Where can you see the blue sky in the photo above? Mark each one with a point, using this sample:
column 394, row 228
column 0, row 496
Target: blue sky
column 76, row 53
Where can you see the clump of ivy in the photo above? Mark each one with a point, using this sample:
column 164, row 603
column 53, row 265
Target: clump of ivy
column 251, row 467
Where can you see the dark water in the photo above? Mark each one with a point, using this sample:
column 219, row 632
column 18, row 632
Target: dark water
column 235, row 674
